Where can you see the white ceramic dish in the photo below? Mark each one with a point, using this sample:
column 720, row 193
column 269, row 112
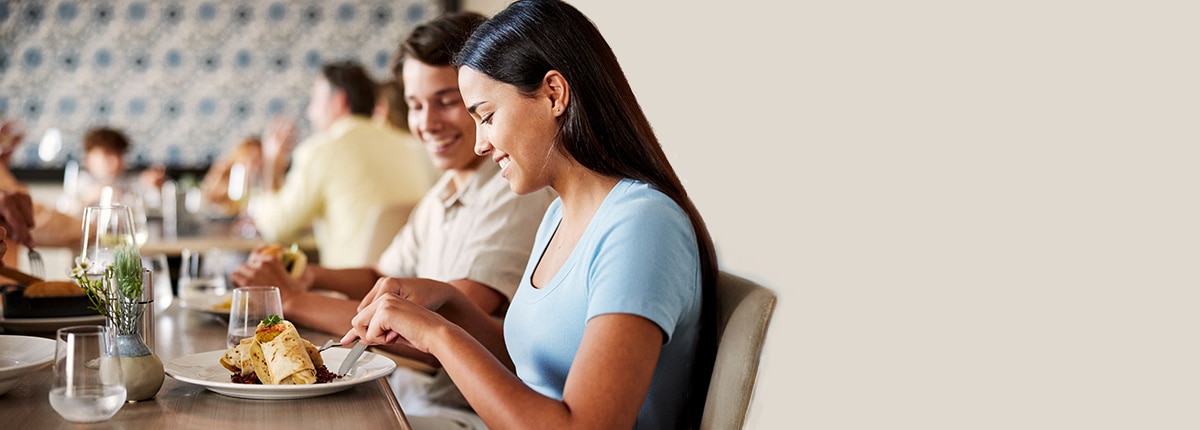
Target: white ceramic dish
column 22, row 355
column 204, row 369
column 48, row 324
column 212, row 304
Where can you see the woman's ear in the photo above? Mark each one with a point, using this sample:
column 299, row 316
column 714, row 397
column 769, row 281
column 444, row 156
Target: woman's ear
column 557, row 91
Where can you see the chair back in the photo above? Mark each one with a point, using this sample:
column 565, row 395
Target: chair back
column 385, row 221
column 744, row 312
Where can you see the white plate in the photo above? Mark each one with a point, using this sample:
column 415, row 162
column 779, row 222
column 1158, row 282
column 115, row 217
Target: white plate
column 208, row 304
column 204, row 369
column 48, row 324
column 20, row 356
column 207, row 310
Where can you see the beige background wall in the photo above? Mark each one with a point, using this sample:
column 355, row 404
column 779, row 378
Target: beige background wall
column 977, row 216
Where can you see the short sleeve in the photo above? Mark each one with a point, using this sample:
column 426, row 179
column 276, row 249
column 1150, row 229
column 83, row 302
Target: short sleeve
column 646, row 264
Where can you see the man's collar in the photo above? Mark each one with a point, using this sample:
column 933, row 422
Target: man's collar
column 485, row 172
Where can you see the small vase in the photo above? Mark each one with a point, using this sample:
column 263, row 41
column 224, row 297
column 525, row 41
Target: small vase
column 141, row 368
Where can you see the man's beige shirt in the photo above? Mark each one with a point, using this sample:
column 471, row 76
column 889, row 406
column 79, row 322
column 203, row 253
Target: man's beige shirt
column 336, row 179
column 483, row 232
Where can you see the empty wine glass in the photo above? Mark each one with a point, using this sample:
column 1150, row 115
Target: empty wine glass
column 104, row 229
column 250, row 306
column 137, row 210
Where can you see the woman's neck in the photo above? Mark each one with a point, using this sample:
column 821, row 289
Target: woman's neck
column 582, row 192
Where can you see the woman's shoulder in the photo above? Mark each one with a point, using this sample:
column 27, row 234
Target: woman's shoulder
column 635, row 203
column 631, row 196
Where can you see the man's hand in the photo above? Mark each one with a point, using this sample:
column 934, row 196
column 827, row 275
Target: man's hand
column 10, row 137
column 16, row 210
column 264, row 269
column 277, row 143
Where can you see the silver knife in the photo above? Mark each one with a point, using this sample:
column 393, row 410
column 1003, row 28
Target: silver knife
column 352, row 358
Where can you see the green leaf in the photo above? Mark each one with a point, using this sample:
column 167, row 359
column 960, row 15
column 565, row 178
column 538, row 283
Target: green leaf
column 127, row 267
column 271, row 320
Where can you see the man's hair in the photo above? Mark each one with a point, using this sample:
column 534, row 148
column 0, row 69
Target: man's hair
column 107, row 139
column 392, row 93
column 436, row 42
column 351, row 79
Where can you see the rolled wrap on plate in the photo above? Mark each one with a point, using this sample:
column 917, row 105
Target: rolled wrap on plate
column 280, row 351
column 237, row 359
column 276, row 354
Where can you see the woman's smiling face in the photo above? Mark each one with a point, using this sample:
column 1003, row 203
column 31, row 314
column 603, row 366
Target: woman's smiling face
column 517, row 131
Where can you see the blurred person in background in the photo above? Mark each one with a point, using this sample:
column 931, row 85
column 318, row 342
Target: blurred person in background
column 28, row 223
column 104, row 167
column 339, row 174
column 216, row 184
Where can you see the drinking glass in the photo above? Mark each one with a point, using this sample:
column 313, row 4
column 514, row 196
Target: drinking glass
column 88, row 383
column 157, row 265
column 137, row 211
column 250, row 306
column 202, row 278
column 104, row 229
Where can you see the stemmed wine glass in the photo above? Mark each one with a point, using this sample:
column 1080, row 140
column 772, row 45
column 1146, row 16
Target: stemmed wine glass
column 104, row 229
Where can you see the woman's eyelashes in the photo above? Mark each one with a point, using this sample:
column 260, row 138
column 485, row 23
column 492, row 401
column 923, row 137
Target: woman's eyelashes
column 487, row 119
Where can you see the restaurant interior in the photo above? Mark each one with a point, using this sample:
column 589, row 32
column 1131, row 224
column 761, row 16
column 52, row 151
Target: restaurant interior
column 186, row 82
column 972, row 215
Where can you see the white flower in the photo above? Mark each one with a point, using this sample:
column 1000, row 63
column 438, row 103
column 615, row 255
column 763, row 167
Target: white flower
column 83, row 263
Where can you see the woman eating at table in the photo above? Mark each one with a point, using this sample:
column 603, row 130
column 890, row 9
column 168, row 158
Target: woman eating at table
column 612, row 324
column 469, row 231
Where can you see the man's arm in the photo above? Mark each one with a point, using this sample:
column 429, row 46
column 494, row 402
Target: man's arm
column 354, row 283
column 283, row 214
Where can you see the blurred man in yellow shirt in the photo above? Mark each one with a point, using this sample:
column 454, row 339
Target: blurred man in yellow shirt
column 347, row 169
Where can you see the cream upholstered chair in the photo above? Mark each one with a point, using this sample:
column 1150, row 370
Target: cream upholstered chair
column 385, row 220
column 744, row 312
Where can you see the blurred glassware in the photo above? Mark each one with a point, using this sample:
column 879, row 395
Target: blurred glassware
column 238, row 183
column 50, row 145
column 105, row 228
column 137, row 206
column 161, row 278
column 68, row 201
column 202, row 282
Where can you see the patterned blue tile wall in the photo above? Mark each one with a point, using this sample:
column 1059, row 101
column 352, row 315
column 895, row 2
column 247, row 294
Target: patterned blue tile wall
column 185, row 79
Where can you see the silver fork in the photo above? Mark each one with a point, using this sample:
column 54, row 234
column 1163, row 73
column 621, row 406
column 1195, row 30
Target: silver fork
column 36, row 266
column 328, row 344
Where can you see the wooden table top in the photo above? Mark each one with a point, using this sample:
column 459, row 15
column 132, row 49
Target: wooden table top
column 179, row 332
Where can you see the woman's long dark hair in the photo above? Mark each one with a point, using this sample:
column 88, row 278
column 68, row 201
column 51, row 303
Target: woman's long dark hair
column 603, row 128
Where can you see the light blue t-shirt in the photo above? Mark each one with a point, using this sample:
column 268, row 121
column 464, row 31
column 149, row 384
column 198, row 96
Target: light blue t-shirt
column 638, row 256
